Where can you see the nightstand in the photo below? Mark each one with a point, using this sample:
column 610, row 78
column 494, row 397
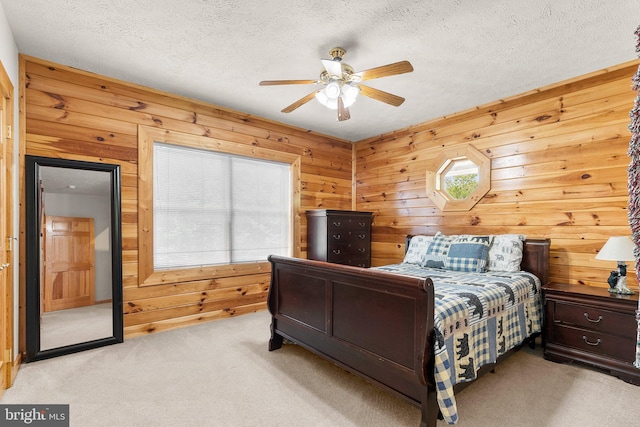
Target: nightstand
column 589, row 325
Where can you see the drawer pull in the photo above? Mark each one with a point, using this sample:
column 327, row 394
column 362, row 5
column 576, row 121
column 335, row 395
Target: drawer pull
column 363, row 250
column 362, row 236
column 586, row 315
column 591, row 343
column 362, row 224
column 336, row 251
column 337, row 223
column 337, row 236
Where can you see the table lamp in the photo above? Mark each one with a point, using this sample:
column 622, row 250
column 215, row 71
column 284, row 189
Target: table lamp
column 618, row 248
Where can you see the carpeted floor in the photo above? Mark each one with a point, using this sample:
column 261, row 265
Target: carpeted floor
column 75, row 325
column 221, row 374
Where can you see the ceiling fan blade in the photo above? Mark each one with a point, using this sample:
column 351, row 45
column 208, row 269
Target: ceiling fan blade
column 385, row 70
column 380, row 95
column 334, row 68
column 343, row 112
column 299, row 102
column 287, row 82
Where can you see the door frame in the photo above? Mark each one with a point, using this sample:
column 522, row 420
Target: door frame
column 7, row 356
column 33, row 210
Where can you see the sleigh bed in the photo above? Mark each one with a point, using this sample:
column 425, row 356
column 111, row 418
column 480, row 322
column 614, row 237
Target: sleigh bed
column 414, row 330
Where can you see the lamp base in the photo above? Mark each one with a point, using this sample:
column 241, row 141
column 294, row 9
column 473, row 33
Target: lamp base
column 621, row 287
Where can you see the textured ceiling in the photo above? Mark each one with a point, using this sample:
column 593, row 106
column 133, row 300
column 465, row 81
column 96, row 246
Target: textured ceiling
column 75, row 181
column 465, row 52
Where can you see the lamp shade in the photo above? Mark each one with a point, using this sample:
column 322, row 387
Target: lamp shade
column 617, row 248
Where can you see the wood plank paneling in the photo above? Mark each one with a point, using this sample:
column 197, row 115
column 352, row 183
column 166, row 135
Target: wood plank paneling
column 558, row 157
column 77, row 115
column 559, row 171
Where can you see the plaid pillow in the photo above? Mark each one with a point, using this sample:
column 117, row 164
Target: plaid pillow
column 468, row 253
column 438, row 251
column 464, row 252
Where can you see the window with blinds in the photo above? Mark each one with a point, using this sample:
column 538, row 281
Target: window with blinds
column 215, row 208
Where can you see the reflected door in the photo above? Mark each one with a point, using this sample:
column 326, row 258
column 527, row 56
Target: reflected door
column 69, row 263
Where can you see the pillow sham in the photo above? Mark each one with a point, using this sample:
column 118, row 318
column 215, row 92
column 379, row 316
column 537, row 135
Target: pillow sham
column 417, row 249
column 505, row 253
column 464, row 252
column 468, row 253
column 438, row 250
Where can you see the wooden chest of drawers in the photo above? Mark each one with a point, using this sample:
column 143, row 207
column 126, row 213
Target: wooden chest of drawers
column 590, row 325
column 341, row 237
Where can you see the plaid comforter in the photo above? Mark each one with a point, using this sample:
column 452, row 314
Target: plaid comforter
column 478, row 317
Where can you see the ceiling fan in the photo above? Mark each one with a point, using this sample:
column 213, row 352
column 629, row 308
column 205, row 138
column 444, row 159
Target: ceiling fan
column 342, row 85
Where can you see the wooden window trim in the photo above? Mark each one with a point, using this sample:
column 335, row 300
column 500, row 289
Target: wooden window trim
column 439, row 196
column 147, row 276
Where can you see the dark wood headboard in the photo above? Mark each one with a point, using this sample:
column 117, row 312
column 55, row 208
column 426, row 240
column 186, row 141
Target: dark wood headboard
column 535, row 257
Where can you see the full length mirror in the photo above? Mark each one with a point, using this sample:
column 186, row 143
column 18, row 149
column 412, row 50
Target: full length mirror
column 73, row 247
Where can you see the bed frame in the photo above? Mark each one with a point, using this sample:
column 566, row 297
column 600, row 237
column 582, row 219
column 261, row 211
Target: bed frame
column 375, row 324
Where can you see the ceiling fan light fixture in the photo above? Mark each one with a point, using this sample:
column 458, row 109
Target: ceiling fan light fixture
column 349, row 94
column 332, row 90
column 331, row 103
column 330, row 94
column 322, row 97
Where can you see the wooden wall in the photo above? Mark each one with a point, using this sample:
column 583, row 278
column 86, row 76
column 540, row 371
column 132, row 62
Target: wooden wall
column 71, row 114
column 559, row 171
column 558, row 157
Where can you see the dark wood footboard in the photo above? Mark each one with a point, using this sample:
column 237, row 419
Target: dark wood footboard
column 375, row 324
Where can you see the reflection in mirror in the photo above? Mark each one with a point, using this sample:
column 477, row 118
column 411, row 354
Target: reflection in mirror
column 74, row 288
column 461, row 177
column 76, row 253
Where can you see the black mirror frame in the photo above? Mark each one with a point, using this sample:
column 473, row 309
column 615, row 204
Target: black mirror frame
column 33, row 261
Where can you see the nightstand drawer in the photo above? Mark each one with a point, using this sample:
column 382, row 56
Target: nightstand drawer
column 595, row 342
column 596, row 319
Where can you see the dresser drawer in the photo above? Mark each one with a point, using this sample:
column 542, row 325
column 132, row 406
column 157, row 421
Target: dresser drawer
column 337, row 237
column 353, row 250
column 595, row 342
column 358, row 262
column 341, row 224
column 595, row 318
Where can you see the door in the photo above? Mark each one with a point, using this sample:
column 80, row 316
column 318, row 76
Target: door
column 68, row 263
column 5, row 283
column 7, row 368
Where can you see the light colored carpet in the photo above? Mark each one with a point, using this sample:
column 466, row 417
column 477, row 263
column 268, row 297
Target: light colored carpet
column 221, row 374
column 75, row 325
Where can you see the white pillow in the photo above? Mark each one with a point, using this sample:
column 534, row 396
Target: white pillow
column 505, row 253
column 418, row 246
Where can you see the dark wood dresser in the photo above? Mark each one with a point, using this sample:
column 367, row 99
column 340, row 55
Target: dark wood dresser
column 341, row 237
column 588, row 324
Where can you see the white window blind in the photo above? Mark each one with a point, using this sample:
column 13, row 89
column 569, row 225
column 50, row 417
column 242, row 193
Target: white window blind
column 215, row 208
